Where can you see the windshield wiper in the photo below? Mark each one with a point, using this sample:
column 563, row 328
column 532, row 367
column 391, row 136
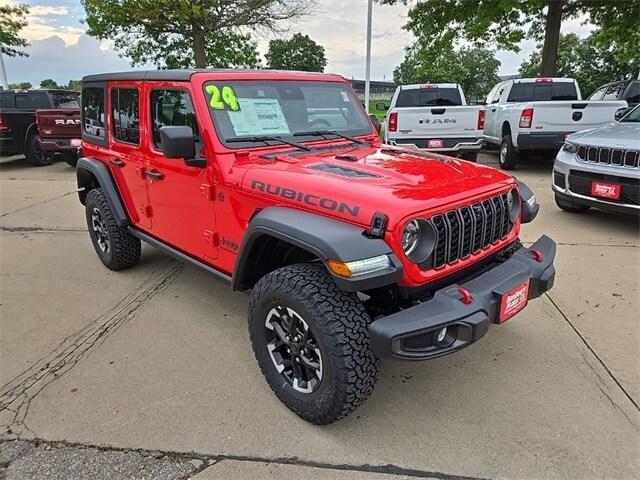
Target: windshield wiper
column 265, row 139
column 323, row 133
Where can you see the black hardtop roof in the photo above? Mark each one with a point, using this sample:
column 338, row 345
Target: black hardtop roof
column 28, row 90
column 180, row 75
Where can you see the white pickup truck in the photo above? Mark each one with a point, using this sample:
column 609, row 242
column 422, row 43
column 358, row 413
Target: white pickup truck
column 536, row 114
column 435, row 117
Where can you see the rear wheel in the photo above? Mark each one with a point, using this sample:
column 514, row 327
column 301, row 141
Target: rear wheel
column 508, row 155
column 569, row 206
column 311, row 341
column 115, row 246
column 35, row 155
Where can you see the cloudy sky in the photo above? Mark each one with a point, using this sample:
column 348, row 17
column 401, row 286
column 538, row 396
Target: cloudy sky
column 61, row 50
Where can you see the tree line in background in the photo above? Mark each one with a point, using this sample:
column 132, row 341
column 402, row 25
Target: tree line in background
column 455, row 40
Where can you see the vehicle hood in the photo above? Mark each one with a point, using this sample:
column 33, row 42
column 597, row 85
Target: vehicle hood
column 614, row 135
column 355, row 183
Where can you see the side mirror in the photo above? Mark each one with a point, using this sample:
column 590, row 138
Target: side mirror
column 178, row 142
column 381, row 106
column 619, row 114
column 376, row 123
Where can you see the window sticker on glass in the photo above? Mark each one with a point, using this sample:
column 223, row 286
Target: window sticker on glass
column 259, row 116
column 345, row 96
column 224, row 99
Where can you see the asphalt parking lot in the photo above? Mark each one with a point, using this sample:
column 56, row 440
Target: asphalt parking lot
column 155, row 364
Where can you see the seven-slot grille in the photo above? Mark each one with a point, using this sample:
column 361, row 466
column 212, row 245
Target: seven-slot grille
column 609, row 156
column 469, row 229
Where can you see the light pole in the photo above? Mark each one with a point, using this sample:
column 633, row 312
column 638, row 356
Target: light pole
column 367, row 75
column 3, row 72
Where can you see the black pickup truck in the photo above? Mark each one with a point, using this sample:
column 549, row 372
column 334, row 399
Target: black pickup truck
column 41, row 124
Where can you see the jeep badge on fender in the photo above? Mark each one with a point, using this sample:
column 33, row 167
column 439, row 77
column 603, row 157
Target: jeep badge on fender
column 277, row 184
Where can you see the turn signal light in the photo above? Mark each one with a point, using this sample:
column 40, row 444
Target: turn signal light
column 358, row 267
column 393, row 122
column 526, row 118
column 481, row 115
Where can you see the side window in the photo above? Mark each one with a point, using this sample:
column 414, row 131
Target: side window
column 597, row 95
column 497, row 93
column 613, row 91
column 32, row 100
column 93, row 115
column 125, row 113
column 633, row 93
column 171, row 108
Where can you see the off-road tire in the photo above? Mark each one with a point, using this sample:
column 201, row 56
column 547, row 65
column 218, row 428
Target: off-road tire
column 470, row 156
column 124, row 249
column 35, row 155
column 339, row 324
column 507, row 155
column 569, row 206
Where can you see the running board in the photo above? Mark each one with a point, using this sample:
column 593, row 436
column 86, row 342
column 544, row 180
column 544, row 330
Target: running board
column 180, row 255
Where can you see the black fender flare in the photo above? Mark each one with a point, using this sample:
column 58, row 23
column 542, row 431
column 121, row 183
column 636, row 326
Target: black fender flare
column 325, row 238
column 91, row 173
column 32, row 129
column 529, row 209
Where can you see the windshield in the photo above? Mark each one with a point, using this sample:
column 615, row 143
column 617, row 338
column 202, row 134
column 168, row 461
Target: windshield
column 65, row 100
column 632, row 116
column 283, row 108
column 429, row 97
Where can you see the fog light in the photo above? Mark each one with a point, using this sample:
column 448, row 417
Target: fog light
column 442, row 334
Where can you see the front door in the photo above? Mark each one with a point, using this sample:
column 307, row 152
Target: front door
column 127, row 160
column 181, row 196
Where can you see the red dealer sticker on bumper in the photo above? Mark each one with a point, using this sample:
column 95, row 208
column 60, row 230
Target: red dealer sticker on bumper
column 606, row 190
column 514, row 300
column 435, row 143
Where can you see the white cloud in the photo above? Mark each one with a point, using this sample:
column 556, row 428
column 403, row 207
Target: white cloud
column 41, row 10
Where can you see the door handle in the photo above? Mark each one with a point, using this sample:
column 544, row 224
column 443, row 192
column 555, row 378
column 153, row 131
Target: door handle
column 116, row 162
column 154, row 174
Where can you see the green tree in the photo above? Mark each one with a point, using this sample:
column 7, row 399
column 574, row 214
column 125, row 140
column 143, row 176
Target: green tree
column 75, row 85
column 297, row 53
column 505, row 23
column 12, row 21
column 188, row 33
column 20, row 86
column 49, row 83
column 474, row 68
column 586, row 61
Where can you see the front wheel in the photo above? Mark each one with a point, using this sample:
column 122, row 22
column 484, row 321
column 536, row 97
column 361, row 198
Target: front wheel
column 311, row 341
column 508, row 155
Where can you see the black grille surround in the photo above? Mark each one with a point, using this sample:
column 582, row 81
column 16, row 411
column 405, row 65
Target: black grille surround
column 467, row 230
column 580, row 183
column 617, row 157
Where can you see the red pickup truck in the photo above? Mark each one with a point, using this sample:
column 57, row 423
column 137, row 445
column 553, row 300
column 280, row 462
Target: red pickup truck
column 41, row 124
column 277, row 184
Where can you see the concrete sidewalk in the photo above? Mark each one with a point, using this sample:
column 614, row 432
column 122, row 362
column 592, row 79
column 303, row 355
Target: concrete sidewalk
column 158, row 358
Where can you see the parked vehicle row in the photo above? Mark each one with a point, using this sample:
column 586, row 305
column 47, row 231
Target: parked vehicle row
column 277, row 183
column 40, row 124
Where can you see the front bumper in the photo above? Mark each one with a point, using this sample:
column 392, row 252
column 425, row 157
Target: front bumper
column 451, row 144
column 409, row 334
column 565, row 169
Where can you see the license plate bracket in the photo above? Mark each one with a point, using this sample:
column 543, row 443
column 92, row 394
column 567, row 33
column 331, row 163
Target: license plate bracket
column 435, row 143
column 76, row 142
column 514, row 300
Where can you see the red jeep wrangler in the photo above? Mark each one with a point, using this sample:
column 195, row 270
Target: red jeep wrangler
column 277, row 183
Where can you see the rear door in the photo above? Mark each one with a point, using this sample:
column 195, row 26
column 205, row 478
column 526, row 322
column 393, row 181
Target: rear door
column 127, row 151
column 181, row 196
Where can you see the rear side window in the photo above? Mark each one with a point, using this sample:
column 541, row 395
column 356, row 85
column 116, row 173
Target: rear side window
column 65, row 100
column 125, row 113
column 541, row 92
column 633, row 93
column 32, row 100
column 428, row 97
column 597, row 95
column 93, row 114
column 614, row 91
column 171, row 108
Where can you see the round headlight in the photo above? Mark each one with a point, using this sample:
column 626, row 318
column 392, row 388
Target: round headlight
column 410, row 237
column 418, row 240
column 513, row 204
